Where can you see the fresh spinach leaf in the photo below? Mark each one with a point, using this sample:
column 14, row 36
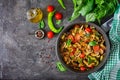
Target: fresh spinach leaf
column 68, row 42
column 77, row 7
column 42, row 24
column 99, row 2
column 91, row 17
column 93, row 9
column 87, row 8
column 58, row 22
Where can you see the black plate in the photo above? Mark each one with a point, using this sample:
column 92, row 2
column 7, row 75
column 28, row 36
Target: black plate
column 106, row 51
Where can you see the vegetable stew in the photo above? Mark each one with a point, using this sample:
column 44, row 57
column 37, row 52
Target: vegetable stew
column 82, row 47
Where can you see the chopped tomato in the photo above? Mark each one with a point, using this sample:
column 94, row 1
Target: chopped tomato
column 77, row 37
column 73, row 49
column 82, row 68
column 88, row 30
column 71, row 38
column 91, row 66
column 96, row 48
column 71, row 54
column 82, row 55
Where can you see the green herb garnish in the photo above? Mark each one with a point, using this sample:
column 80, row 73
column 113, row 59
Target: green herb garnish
column 58, row 22
column 92, row 43
column 68, row 42
column 93, row 9
column 41, row 24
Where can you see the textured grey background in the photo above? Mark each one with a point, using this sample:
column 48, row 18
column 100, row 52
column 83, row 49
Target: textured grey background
column 22, row 56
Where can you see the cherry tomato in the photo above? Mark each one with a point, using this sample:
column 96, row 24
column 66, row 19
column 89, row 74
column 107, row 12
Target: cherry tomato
column 73, row 50
column 71, row 54
column 71, row 38
column 77, row 37
column 50, row 8
column 50, row 34
column 88, row 30
column 58, row 16
column 82, row 55
column 96, row 48
column 82, row 68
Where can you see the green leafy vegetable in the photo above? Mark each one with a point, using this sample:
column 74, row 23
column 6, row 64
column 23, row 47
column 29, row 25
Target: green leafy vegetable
column 87, row 8
column 77, row 7
column 89, row 60
column 60, row 67
column 91, row 17
column 87, row 35
column 42, row 24
column 100, row 2
column 93, row 9
column 58, row 22
column 92, row 43
column 94, row 60
column 68, row 42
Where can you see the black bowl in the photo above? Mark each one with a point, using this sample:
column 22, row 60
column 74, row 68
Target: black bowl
column 106, row 51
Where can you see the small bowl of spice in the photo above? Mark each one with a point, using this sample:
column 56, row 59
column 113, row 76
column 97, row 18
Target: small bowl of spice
column 39, row 34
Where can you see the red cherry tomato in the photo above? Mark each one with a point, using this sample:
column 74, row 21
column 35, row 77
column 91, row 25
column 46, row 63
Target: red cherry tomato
column 77, row 37
column 58, row 16
column 50, row 34
column 82, row 68
column 50, row 8
column 71, row 54
column 71, row 37
column 73, row 50
column 82, row 55
column 88, row 30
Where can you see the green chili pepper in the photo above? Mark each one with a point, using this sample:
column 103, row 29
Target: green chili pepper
column 95, row 60
column 62, row 4
column 50, row 23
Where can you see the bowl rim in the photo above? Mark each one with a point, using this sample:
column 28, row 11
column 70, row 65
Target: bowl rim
column 107, row 51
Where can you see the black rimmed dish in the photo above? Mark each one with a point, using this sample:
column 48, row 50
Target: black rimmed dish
column 106, row 54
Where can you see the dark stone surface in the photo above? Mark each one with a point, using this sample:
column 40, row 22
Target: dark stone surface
column 22, row 56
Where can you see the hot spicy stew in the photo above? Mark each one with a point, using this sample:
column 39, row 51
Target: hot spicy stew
column 82, row 47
